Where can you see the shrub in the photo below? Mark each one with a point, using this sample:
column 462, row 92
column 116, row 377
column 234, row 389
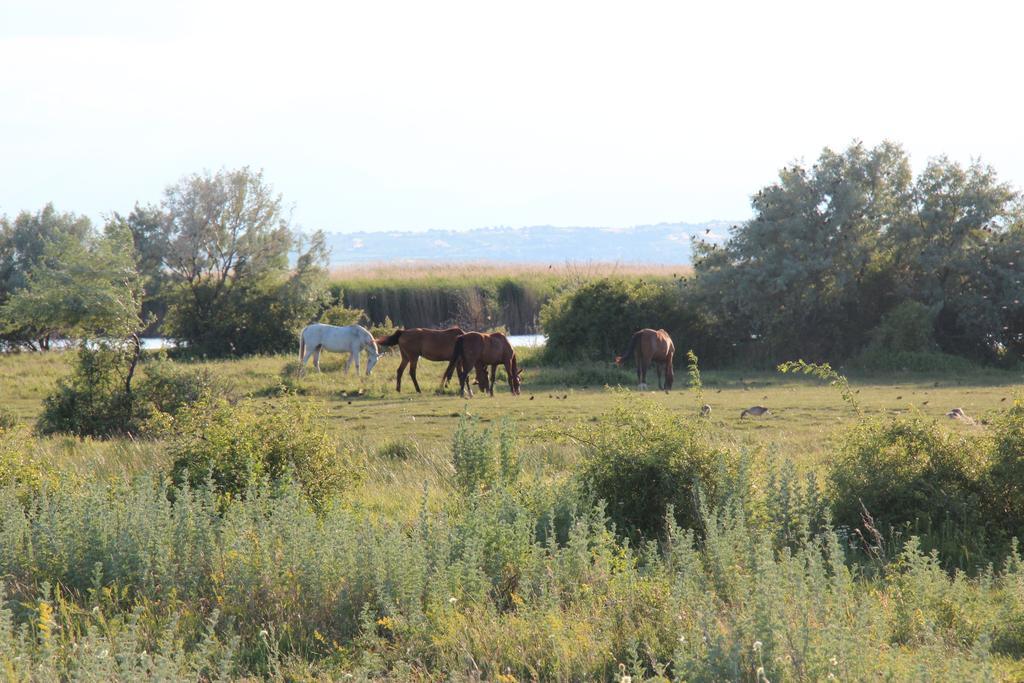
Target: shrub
column 1006, row 475
column 168, row 387
column 908, row 473
column 93, row 401
column 642, row 459
column 597, row 319
column 237, row 447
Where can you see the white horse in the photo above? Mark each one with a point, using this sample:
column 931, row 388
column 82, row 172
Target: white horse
column 351, row 338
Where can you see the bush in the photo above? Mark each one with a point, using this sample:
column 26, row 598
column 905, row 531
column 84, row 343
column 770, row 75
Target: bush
column 237, row 447
column 642, row 459
column 597, row 319
column 93, row 401
column 1006, row 475
column 909, row 474
column 168, row 387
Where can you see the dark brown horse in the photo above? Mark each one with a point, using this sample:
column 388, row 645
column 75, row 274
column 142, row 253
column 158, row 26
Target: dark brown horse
column 438, row 345
column 650, row 346
column 478, row 350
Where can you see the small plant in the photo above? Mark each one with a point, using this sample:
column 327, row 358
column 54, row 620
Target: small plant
column 823, row 371
column 693, row 369
column 94, row 400
column 482, row 461
column 8, row 420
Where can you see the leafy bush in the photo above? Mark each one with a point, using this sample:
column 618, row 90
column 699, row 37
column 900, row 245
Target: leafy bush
column 642, row 459
column 907, row 473
column 598, row 318
column 168, row 387
column 1006, row 475
column 93, row 401
column 236, row 447
column 341, row 316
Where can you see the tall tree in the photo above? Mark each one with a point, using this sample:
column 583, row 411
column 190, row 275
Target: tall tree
column 803, row 277
column 228, row 242
column 23, row 245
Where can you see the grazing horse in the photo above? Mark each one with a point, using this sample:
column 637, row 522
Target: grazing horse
column 650, row 346
column 413, row 343
column 351, row 338
column 478, row 350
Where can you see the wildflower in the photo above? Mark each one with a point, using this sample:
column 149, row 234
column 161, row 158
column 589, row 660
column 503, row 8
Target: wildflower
column 761, row 677
column 757, row 645
column 834, row 661
column 263, row 633
column 453, row 600
column 831, row 676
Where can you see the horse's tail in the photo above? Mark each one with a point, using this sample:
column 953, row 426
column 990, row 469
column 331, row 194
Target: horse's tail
column 389, row 340
column 619, row 360
column 456, row 355
column 302, row 346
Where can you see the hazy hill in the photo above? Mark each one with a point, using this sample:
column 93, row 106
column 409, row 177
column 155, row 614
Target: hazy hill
column 663, row 243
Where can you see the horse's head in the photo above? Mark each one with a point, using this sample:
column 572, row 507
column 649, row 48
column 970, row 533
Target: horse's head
column 517, row 381
column 372, row 356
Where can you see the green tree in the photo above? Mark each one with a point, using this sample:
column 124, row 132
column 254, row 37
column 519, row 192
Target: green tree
column 228, row 242
column 807, row 275
column 23, row 244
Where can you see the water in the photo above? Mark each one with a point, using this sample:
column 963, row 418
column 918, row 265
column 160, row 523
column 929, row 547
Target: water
column 527, row 341
column 524, row 341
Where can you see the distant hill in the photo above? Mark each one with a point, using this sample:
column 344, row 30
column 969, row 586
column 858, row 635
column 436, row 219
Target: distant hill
column 667, row 243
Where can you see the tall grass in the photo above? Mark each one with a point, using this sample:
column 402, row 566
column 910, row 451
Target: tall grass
column 476, row 296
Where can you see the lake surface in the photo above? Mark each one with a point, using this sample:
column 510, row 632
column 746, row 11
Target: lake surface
column 528, row 341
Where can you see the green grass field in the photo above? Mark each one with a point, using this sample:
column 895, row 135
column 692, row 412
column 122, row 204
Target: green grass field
column 806, row 413
column 410, row 577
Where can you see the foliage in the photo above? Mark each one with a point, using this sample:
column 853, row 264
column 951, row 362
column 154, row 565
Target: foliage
column 834, row 247
column 1006, row 477
column 908, row 474
column 341, row 316
column 20, row 471
column 641, row 460
column 596, row 319
column 236, row 447
column 825, row 372
column 93, row 400
column 227, row 243
column 24, row 242
column 168, row 388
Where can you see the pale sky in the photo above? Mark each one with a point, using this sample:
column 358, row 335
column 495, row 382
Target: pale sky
column 417, row 115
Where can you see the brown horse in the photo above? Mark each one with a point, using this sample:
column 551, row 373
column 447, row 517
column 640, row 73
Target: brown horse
column 438, row 345
column 478, row 350
column 650, row 346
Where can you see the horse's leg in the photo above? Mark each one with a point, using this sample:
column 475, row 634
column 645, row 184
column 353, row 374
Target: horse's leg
column 494, row 372
column 355, row 354
column 401, row 369
column 348, row 363
column 412, row 373
column 309, row 352
column 316, row 357
column 657, row 369
column 639, row 373
column 508, row 371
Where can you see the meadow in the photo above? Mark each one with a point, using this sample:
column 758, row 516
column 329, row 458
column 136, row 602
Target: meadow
column 442, row 561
